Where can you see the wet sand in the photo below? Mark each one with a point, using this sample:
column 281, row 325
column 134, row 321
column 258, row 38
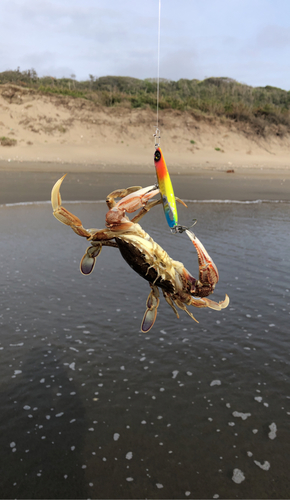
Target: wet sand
column 23, row 183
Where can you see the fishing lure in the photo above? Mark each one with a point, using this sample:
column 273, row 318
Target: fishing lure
column 166, row 190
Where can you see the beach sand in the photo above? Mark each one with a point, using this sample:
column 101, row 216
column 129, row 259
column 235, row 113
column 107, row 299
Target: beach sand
column 102, row 149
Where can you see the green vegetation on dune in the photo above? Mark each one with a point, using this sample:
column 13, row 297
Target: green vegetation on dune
column 259, row 107
column 7, row 141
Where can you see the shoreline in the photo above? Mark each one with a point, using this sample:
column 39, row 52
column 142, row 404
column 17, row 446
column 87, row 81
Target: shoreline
column 20, row 185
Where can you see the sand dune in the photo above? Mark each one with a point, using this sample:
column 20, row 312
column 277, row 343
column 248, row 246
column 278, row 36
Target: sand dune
column 60, row 129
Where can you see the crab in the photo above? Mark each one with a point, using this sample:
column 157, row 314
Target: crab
column 180, row 289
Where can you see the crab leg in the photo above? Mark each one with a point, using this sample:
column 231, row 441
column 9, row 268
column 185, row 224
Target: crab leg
column 170, row 302
column 66, row 217
column 183, row 307
column 88, row 261
column 150, row 205
column 145, row 210
column 63, row 215
column 151, row 311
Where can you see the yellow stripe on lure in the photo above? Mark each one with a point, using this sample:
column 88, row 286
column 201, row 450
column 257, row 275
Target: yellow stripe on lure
column 166, row 189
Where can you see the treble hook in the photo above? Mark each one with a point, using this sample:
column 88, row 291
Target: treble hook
column 181, row 229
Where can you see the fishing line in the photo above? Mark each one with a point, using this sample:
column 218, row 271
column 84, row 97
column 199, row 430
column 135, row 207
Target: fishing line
column 158, row 63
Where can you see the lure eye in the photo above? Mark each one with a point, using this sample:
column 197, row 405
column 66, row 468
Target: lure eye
column 157, row 155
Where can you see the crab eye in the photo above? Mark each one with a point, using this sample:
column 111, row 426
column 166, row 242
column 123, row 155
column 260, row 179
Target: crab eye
column 157, row 155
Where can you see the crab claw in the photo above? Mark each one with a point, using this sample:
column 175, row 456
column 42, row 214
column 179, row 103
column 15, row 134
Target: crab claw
column 89, row 259
column 62, row 214
column 132, row 199
column 55, row 194
column 137, row 199
column 208, row 273
column 151, row 311
column 205, row 302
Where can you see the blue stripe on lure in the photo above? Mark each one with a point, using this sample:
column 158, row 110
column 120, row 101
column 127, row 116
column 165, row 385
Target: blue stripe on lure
column 166, row 189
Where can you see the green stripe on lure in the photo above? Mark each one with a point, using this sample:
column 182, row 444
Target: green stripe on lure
column 166, row 189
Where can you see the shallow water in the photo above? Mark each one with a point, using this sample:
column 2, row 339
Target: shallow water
column 93, row 408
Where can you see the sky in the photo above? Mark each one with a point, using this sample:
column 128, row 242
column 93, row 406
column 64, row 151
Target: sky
column 247, row 40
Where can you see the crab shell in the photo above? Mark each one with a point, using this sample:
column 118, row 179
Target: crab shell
column 153, row 264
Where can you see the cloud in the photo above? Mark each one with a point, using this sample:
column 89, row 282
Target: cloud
column 180, row 64
column 273, row 37
column 248, row 41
